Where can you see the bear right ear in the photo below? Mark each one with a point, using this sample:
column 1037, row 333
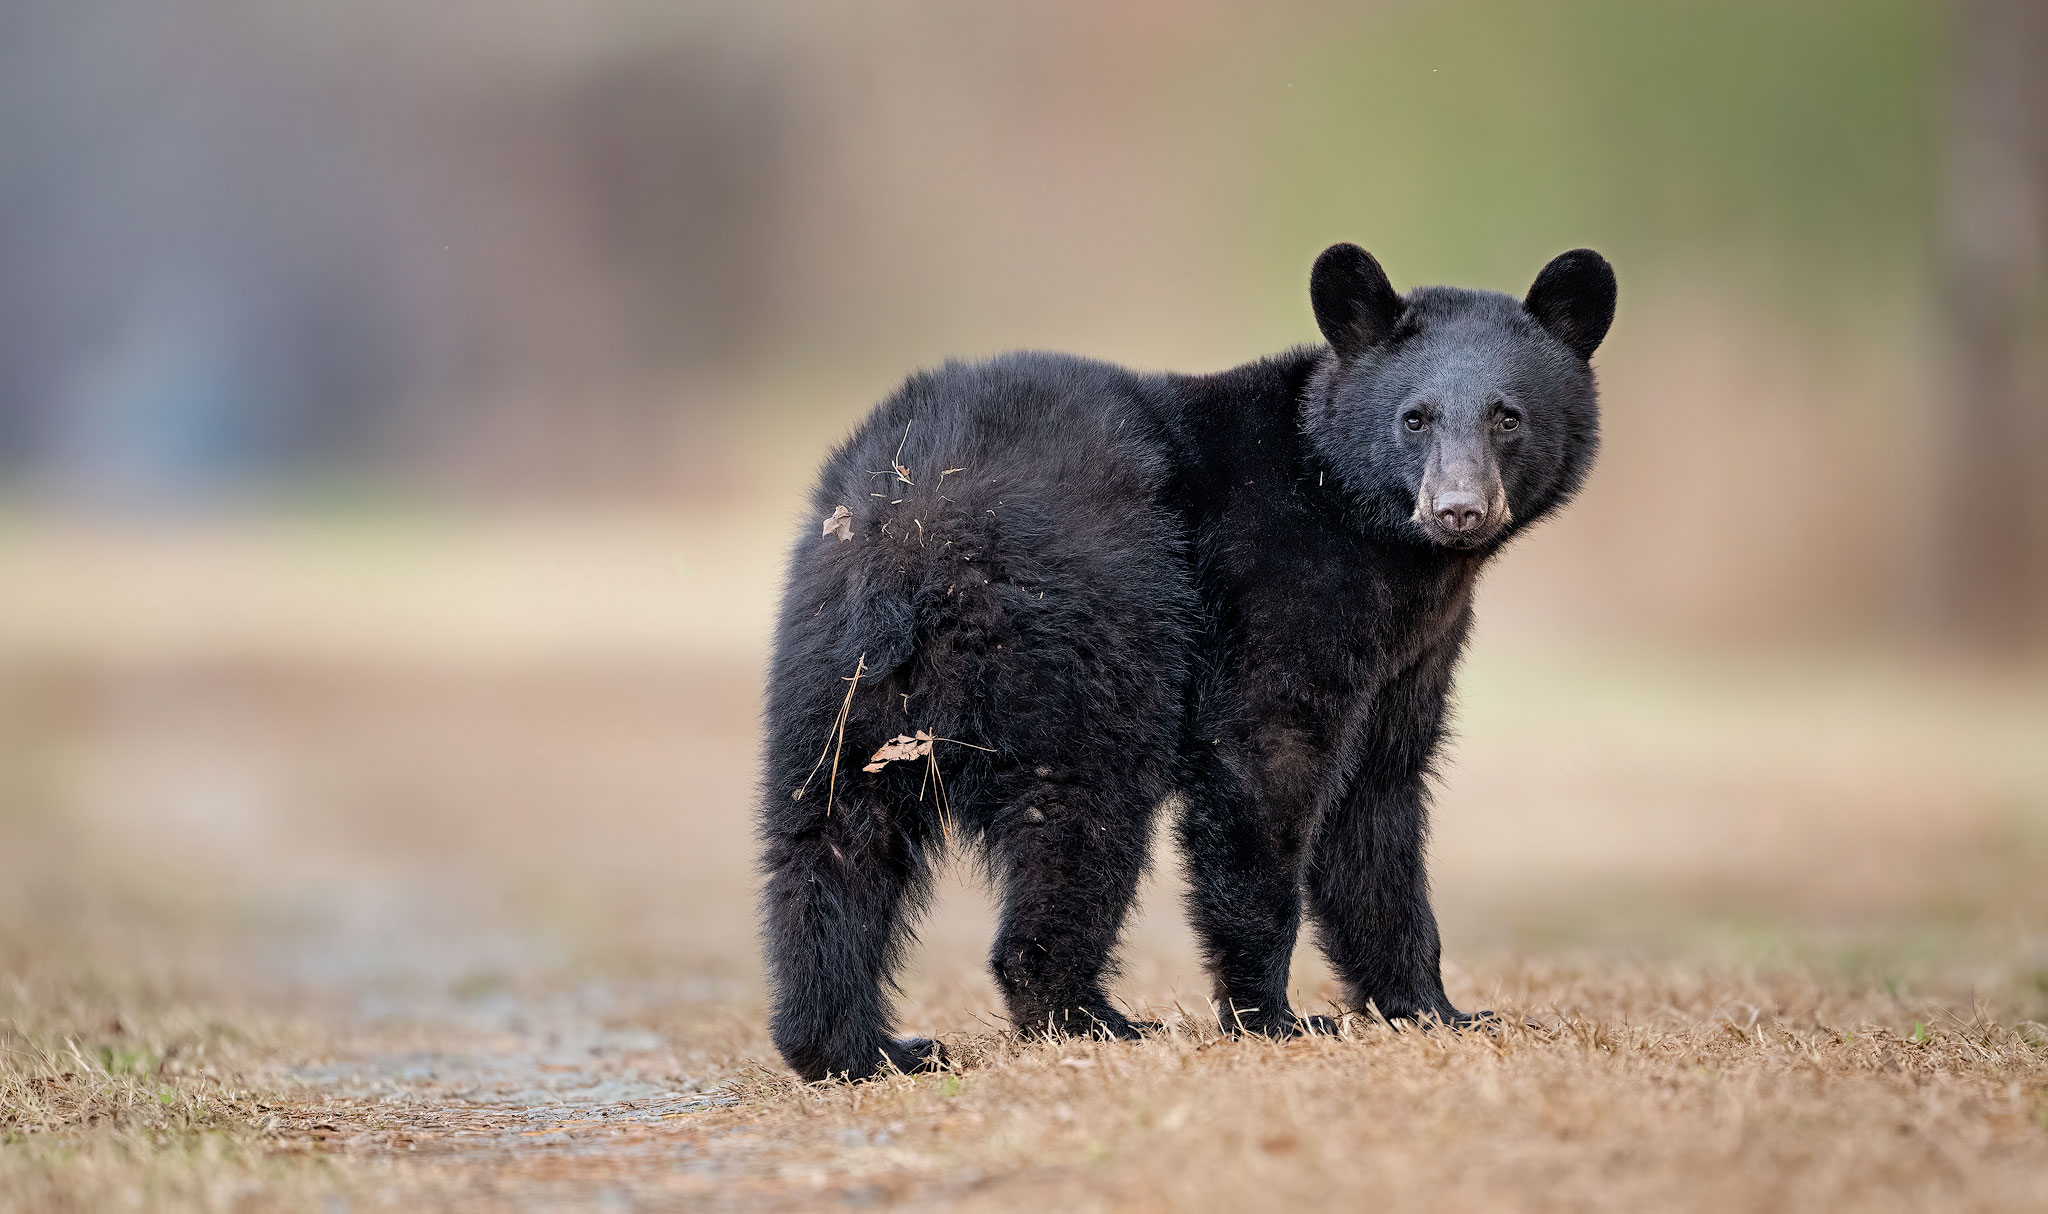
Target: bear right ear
column 1355, row 305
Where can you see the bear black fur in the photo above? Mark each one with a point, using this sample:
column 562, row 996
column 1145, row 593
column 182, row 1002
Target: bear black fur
column 1105, row 592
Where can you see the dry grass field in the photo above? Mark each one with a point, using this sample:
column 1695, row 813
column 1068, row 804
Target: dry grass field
column 367, row 865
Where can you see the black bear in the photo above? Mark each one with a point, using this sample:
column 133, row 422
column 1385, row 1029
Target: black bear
column 1040, row 598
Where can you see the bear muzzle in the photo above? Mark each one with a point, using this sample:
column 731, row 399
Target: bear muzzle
column 1462, row 515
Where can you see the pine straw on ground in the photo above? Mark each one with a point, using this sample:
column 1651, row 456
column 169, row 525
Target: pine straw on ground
column 1611, row 1088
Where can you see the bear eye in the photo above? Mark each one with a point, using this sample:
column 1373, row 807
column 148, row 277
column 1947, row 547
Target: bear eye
column 1415, row 422
column 1509, row 420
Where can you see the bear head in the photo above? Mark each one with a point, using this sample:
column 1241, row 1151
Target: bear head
column 1454, row 417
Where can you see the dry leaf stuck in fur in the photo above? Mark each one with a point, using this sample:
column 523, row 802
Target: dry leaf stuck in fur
column 902, row 746
column 841, row 522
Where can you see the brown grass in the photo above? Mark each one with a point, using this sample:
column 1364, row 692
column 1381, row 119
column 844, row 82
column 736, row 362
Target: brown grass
column 1627, row 1088
column 115, row 1097
column 1639, row 1090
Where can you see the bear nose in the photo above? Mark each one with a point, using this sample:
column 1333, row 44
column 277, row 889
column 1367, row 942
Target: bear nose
column 1459, row 510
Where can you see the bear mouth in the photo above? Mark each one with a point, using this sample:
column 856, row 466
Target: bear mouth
column 1463, row 541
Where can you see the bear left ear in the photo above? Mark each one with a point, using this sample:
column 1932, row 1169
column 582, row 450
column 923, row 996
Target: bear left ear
column 1574, row 298
column 1355, row 305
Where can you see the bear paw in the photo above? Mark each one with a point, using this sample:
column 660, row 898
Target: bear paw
column 913, row 1054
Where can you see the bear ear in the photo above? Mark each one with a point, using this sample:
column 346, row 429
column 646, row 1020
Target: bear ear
column 1355, row 305
column 1574, row 298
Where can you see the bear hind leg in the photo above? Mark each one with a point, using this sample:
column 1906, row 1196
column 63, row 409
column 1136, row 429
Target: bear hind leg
column 836, row 908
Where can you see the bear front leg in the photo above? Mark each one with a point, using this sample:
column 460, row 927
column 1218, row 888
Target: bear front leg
column 1243, row 901
column 1369, row 894
column 1367, row 883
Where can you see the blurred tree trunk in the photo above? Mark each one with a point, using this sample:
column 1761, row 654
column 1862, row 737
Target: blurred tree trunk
column 1988, row 573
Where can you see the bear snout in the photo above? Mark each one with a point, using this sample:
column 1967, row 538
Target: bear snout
column 1464, row 517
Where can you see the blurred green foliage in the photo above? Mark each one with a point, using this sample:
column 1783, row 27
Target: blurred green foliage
column 1471, row 140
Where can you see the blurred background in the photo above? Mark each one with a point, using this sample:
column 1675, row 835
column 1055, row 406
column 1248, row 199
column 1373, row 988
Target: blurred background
column 404, row 410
